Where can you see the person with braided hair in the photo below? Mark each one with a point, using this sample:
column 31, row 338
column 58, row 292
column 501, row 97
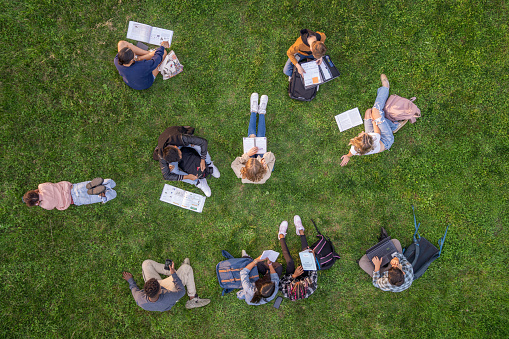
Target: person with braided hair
column 296, row 284
column 378, row 136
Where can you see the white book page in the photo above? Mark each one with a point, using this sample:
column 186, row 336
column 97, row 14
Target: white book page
column 325, row 71
column 307, row 259
column 348, row 119
column 312, row 74
column 260, row 142
column 178, row 197
column 138, row 31
column 272, row 255
column 158, row 35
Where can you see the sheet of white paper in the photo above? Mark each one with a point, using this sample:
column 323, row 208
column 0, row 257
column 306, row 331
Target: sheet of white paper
column 307, row 259
column 178, row 197
column 312, row 73
column 325, row 71
column 272, row 255
column 261, row 143
column 138, row 31
column 158, row 35
column 348, row 119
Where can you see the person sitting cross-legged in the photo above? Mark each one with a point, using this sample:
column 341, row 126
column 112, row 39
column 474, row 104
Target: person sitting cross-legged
column 396, row 277
column 138, row 67
column 162, row 294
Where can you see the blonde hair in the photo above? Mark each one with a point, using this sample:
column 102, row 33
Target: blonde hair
column 253, row 171
column 363, row 143
column 319, row 49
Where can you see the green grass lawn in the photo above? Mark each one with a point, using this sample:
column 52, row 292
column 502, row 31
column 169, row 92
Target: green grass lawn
column 67, row 115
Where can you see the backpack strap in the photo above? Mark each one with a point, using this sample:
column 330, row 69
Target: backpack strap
column 317, row 231
column 417, row 237
column 227, row 254
column 441, row 241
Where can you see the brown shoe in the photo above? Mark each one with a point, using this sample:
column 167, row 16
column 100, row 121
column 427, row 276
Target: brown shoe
column 400, row 124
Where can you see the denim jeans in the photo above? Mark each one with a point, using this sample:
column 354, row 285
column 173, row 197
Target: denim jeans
column 177, row 170
column 288, row 69
column 385, row 125
column 252, row 125
column 81, row 197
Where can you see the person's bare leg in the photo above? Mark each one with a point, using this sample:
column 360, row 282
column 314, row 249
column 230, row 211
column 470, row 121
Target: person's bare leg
column 156, row 71
column 367, row 115
column 136, row 50
column 385, row 81
column 375, row 113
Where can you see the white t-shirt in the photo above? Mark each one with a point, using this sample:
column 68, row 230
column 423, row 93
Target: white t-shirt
column 376, row 142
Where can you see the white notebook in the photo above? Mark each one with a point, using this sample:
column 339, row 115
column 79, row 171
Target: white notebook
column 261, row 143
column 349, row 119
column 145, row 33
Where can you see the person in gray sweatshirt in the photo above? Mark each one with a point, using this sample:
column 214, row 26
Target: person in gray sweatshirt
column 161, row 294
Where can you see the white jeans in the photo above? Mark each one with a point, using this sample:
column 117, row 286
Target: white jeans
column 151, row 269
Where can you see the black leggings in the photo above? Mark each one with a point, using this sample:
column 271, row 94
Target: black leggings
column 290, row 265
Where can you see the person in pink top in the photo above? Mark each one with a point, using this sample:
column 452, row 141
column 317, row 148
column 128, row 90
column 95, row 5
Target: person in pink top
column 63, row 194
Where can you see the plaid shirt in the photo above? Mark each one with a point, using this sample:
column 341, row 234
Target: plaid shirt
column 383, row 282
column 288, row 283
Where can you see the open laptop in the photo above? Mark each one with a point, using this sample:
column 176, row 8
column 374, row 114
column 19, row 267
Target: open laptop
column 384, row 250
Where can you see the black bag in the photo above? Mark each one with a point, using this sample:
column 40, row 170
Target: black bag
column 296, row 89
column 324, row 251
column 421, row 253
column 190, row 163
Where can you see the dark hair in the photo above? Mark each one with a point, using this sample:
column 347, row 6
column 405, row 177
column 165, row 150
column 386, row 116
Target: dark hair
column 264, row 289
column 171, row 153
column 125, row 56
column 31, row 198
column 151, row 287
column 396, row 276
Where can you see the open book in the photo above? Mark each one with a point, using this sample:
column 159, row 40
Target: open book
column 261, row 143
column 178, row 197
column 145, row 33
column 272, row 255
column 348, row 119
column 318, row 74
column 307, row 259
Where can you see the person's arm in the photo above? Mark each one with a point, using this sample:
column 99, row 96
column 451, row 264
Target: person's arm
column 166, row 171
column 132, row 285
column 197, row 141
column 244, row 275
column 274, row 277
column 406, row 266
column 346, row 158
column 379, row 282
column 291, row 55
column 180, row 290
column 270, row 160
column 154, row 62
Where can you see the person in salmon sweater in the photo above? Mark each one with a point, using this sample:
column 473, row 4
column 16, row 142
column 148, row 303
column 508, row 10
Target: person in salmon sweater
column 63, row 194
column 310, row 44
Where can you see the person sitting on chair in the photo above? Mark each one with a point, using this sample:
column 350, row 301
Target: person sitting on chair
column 138, row 67
column 378, row 134
column 396, row 277
column 191, row 165
column 161, row 294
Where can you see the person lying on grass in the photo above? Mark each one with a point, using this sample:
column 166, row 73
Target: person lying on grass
column 63, row 194
column 138, row 67
column 162, row 294
column 250, row 167
column 378, row 136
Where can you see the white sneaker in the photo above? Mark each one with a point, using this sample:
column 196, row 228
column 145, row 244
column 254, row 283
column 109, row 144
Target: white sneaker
column 262, row 109
column 202, row 184
column 215, row 171
column 244, row 254
column 196, row 302
column 282, row 228
column 298, row 224
column 254, row 102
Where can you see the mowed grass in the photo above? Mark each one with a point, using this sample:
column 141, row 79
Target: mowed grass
column 67, row 115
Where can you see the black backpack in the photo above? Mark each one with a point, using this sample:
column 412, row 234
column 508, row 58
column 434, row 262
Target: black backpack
column 421, row 253
column 324, row 251
column 296, row 89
